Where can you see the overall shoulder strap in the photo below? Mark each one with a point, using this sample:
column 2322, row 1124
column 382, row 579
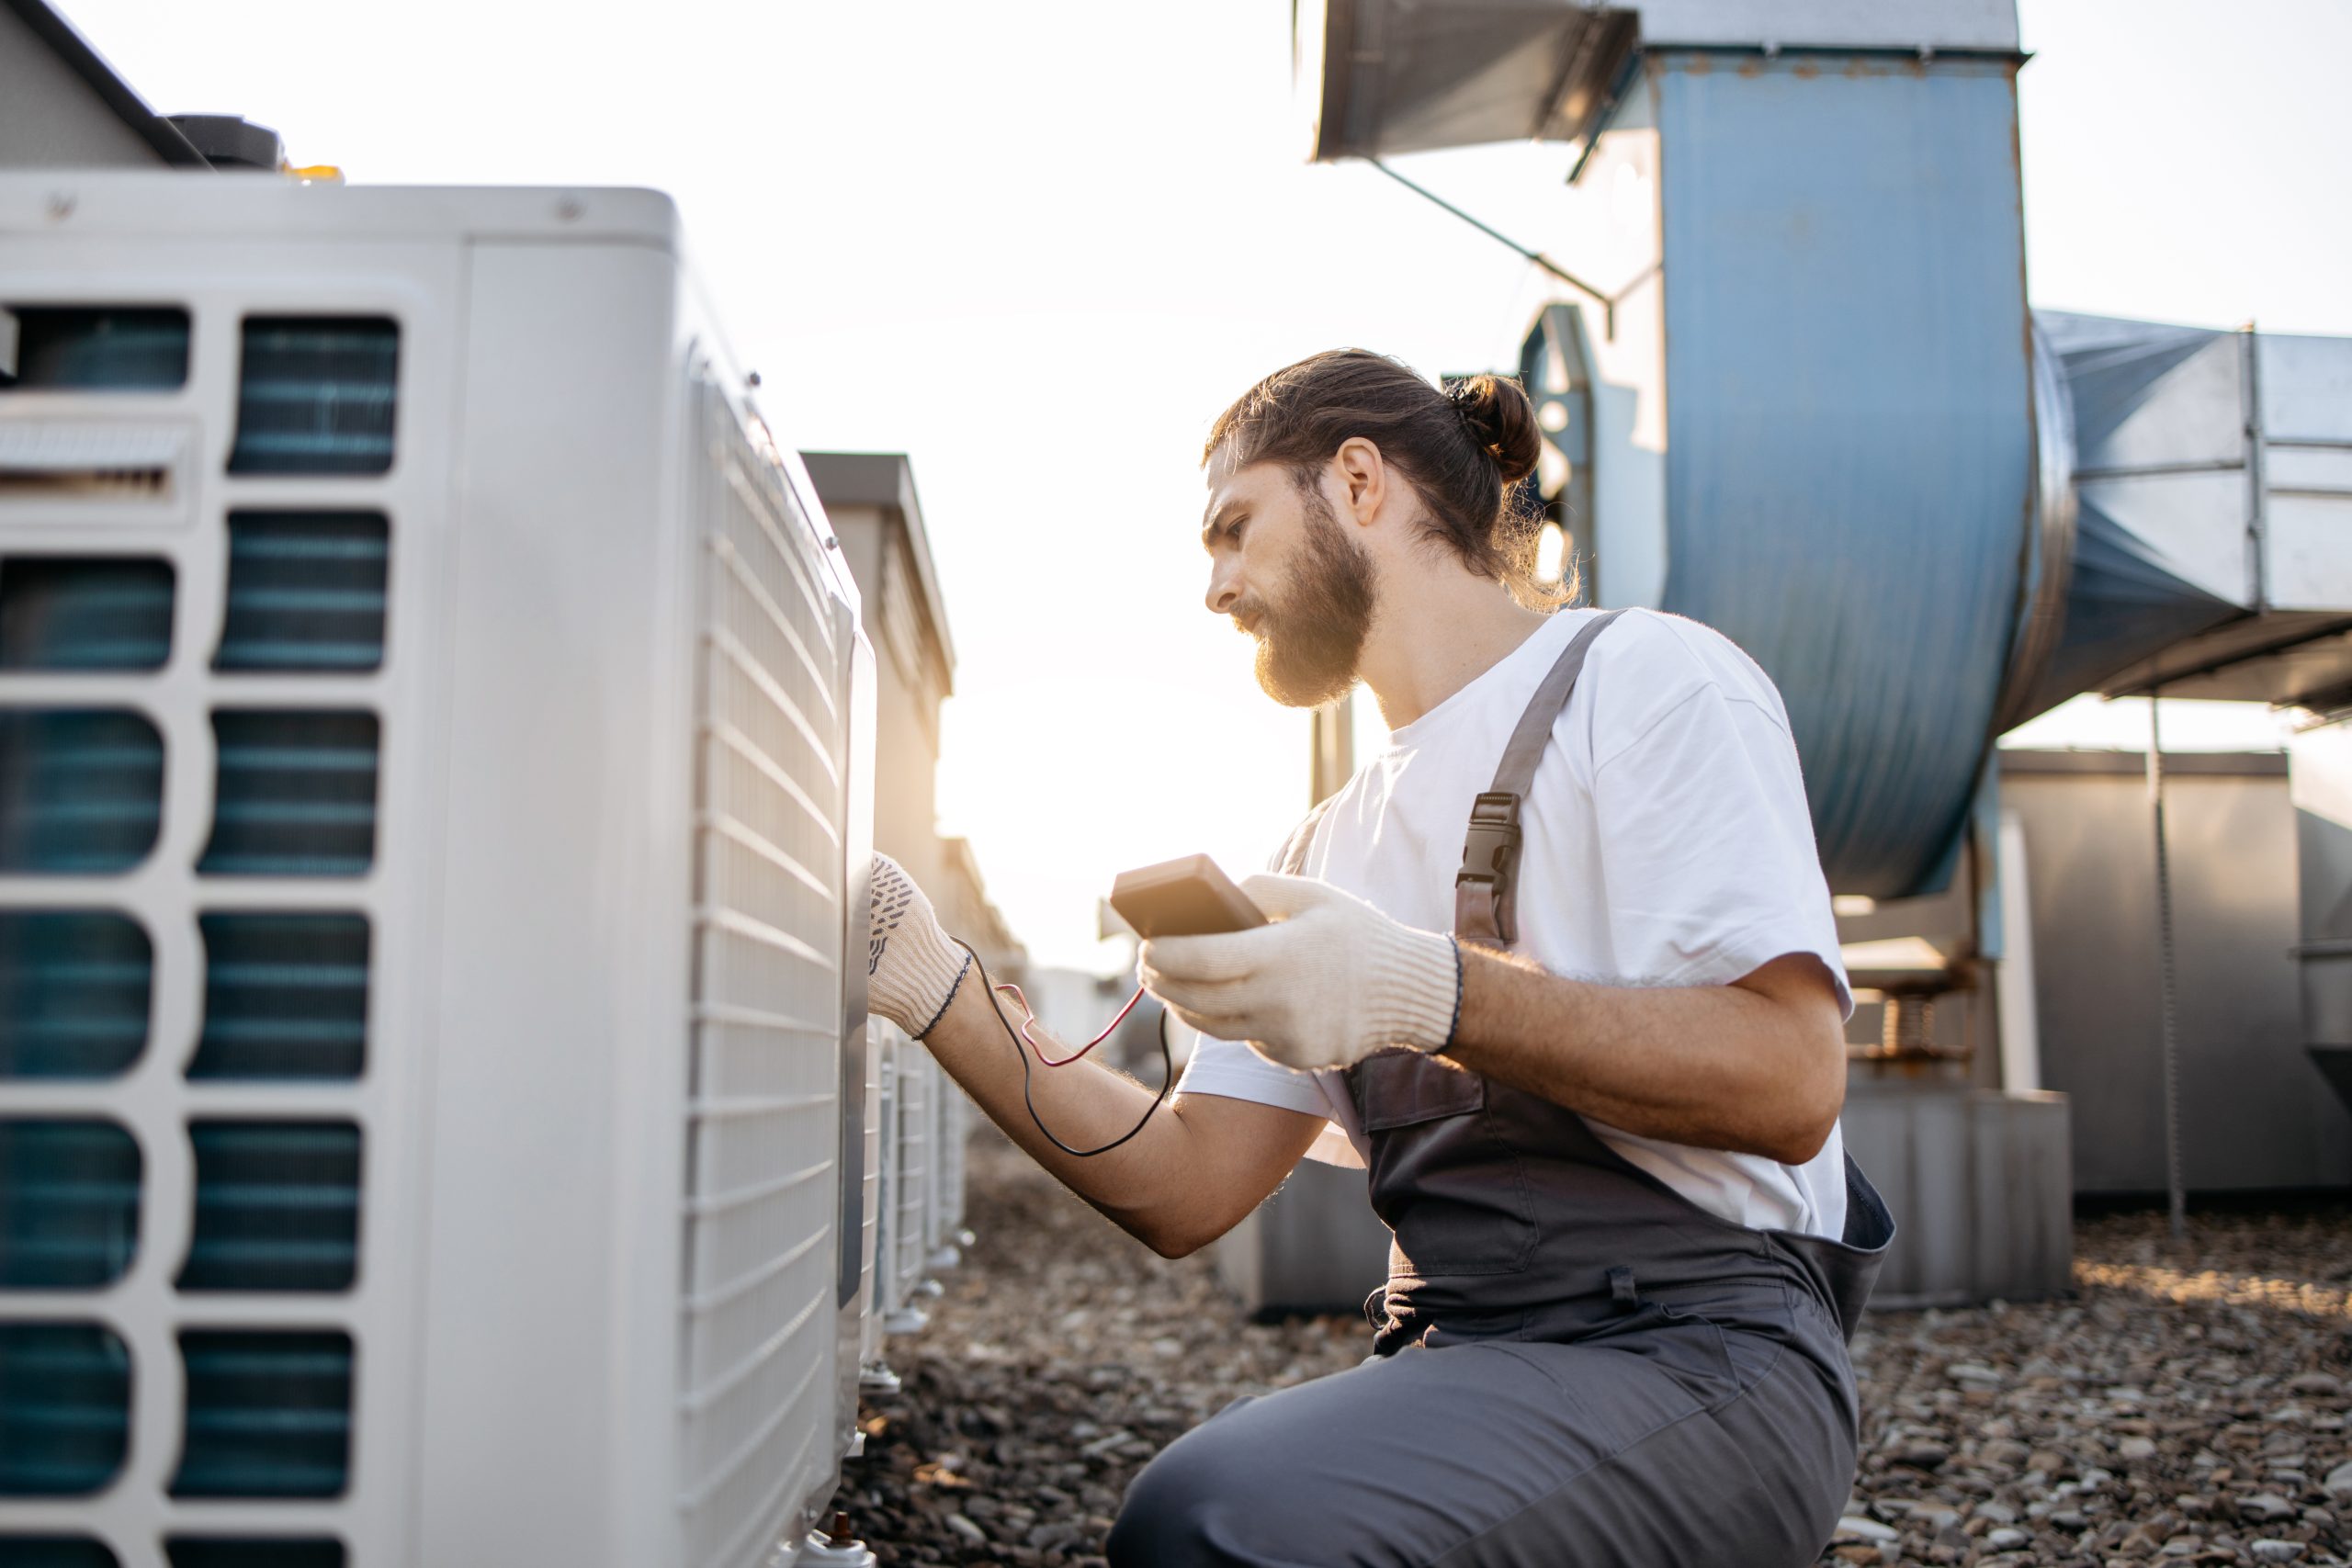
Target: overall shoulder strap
column 1484, row 892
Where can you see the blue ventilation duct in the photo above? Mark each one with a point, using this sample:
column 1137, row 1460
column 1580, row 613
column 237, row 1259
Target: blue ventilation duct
column 1850, row 433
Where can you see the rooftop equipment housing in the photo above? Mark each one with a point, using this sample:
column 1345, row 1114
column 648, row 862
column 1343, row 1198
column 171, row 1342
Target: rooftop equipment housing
column 434, row 756
column 1791, row 388
column 1800, row 395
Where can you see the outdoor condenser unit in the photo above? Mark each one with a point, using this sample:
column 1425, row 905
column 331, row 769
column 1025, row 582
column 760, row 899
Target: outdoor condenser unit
column 434, row 750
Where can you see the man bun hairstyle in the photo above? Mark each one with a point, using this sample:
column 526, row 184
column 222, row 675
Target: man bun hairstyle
column 1501, row 421
column 1463, row 448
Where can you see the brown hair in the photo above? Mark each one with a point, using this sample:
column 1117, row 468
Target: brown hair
column 1463, row 449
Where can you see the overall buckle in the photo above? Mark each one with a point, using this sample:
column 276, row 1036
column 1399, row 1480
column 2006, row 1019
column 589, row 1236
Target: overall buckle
column 1482, row 891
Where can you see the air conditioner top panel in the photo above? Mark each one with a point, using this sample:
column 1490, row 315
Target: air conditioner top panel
column 248, row 206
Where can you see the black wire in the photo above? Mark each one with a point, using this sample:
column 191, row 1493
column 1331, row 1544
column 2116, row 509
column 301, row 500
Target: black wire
column 1167, row 1064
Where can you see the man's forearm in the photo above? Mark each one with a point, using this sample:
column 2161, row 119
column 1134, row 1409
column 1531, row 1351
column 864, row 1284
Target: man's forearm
column 1086, row 1103
column 1196, row 1167
column 1757, row 1068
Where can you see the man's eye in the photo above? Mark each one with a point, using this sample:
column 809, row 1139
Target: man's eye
column 1232, row 534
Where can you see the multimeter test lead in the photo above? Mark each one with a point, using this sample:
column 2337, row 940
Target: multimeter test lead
column 1025, row 1044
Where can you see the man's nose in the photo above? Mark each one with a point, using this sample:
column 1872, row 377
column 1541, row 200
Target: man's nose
column 1224, row 588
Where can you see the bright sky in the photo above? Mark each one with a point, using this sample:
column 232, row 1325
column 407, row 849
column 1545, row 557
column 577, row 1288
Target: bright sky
column 1038, row 246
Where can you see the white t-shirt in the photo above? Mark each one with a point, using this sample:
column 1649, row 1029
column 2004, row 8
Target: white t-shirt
column 1666, row 843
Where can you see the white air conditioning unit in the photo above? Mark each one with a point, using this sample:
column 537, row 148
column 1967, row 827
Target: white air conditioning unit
column 434, row 739
column 952, row 1112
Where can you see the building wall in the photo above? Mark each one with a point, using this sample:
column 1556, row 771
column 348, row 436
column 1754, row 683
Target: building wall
column 908, row 693
column 914, row 675
column 50, row 117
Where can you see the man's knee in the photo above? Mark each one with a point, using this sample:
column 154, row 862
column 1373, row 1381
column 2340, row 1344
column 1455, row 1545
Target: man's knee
column 1183, row 1509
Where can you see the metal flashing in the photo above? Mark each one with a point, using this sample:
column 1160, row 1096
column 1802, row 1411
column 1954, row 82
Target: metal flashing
column 131, row 202
column 77, row 53
column 1388, row 76
column 886, row 480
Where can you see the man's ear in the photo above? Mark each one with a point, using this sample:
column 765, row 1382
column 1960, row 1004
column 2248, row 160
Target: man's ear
column 1366, row 477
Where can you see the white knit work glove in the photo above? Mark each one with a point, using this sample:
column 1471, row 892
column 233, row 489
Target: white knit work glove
column 1329, row 982
column 912, row 968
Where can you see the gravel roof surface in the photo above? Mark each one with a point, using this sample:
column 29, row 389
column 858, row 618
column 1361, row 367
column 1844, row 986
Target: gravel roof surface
column 2182, row 1407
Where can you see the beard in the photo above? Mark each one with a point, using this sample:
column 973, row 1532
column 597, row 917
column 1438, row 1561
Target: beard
column 1311, row 639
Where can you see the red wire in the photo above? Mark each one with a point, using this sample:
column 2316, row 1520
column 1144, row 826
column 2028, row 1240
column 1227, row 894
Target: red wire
column 1029, row 1016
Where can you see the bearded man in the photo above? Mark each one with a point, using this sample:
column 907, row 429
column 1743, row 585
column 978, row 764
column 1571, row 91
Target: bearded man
column 1559, row 966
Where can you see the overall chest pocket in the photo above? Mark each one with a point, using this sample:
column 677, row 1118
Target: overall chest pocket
column 1444, row 1175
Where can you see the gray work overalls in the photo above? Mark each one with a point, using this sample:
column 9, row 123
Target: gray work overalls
column 1574, row 1364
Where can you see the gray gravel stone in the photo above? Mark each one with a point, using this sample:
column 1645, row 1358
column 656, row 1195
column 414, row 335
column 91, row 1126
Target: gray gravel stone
column 2219, row 1379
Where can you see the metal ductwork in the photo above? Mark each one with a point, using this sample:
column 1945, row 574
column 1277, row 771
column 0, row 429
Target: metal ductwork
column 1815, row 411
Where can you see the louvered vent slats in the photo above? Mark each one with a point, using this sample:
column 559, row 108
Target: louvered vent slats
column 306, row 591
column 54, row 1552
column 761, row 1134
column 253, row 1552
column 77, row 614
column 315, row 395
column 268, row 1414
column 64, row 1408
column 74, row 991
column 297, row 793
column 81, row 790
column 284, row 996
column 98, row 348
column 277, row 1206
column 69, row 1204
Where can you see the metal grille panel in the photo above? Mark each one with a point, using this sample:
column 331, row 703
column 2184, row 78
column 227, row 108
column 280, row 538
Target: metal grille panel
column 316, row 396
column 81, row 790
column 297, row 795
column 953, row 1118
column 277, row 1206
column 909, row 1226
column 64, row 1408
column 763, row 1119
column 100, row 348
column 67, row 613
column 69, row 1204
column 284, row 996
column 75, row 986
column 54, row 1552
column 306, row 591
column 254, row 1551
column 268, row 1414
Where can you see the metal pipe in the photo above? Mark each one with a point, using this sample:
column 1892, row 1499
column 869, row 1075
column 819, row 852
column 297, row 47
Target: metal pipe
column 2257, row 511
column 2174, row 1192
column 1608, row 305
